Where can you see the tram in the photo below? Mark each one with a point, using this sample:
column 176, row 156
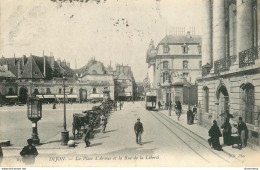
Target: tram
column 150, row 100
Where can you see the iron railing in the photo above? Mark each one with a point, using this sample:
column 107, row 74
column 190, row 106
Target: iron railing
column 248, row 56
column 222, row 65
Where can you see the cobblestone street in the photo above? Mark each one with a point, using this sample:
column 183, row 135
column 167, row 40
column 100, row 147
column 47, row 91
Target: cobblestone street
column 163, row 141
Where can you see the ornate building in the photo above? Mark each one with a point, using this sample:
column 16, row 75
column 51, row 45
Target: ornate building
column 230, row 81
column 125, row 86
column 177, row 58
column 93, row 80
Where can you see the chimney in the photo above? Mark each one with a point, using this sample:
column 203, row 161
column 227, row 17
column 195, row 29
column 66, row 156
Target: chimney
column 59, row 62
column 44, row 66
column 19, row 69
column 188, row 34
column 14, row 60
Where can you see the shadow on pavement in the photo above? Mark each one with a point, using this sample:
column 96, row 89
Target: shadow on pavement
column 111, row 131
column 147, row 142
column 95, row 144
column 132, row 151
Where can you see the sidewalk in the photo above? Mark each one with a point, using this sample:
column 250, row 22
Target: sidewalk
column 203, row 133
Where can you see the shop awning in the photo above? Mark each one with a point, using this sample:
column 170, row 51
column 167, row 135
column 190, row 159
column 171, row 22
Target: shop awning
column 60, row 96
column 40, row 96
column 96, row 95
column 72, row 96
column 11, row 97
column 49, row 96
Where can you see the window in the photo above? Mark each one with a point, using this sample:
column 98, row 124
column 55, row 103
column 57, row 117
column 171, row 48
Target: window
column 185, row 64
column 206, row 99
column 185, row 49
column 248, row 102
column 59, row 91
column 255, row 29
column 165, row 65
column 36, row 73
column 165, row 76
column 71, row 91
column 94, row 90
column 200, row 64
column 48, row 91
column 11, row 91
column 165, row 49
column 185, row 74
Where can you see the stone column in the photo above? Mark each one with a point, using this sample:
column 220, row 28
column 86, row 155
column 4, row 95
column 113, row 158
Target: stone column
column 219, row 46
column 207, row 32
column 258, row 24
column 244, row 26
column 232, row 29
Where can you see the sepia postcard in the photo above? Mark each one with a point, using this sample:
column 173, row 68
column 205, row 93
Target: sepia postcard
column 129, row 83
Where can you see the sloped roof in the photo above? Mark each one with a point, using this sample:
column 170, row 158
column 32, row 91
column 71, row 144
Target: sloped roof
column 84, row 70
column 11, row 62
column 31, row 69
column 6, row 73
column 170, row 39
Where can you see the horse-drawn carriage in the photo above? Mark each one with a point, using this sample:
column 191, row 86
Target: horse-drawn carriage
column 90, row 118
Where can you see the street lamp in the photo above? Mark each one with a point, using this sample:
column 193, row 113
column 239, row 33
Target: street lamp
column 34, row 114
column 64, row 133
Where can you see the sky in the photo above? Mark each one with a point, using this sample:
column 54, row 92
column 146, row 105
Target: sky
column 116, row 31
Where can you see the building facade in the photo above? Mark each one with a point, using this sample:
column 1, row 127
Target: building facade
column 230, row 81
column 125, row 86
column 93, row 80
column 175, row 57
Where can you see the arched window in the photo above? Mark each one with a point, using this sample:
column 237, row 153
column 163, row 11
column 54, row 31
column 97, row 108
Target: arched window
column 94, row 90
column 206, row 99
column 248, row 99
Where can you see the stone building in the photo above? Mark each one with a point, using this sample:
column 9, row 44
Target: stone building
column 230, row 81
column 93, row 80
column 39, row 75
column 125, row 86
column 177, row 57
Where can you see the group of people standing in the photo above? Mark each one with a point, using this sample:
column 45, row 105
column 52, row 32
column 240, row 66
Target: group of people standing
column 228, row 140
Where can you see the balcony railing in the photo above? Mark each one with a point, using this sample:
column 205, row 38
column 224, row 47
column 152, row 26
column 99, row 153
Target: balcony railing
column 248, row 56
column 222, row 65
column 206, row 69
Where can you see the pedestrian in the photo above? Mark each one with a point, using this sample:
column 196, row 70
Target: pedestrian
column 1, row 155
column 54, row 106
column 214, row 134
column 159, row 104
column 115, row 106
column 189, row 117
column 138, row 128
column 29, row 153
column 87, row 134
column 178, row 108
column 120, row 105
column 227, row 132
column 103, row 122
column 243, row 132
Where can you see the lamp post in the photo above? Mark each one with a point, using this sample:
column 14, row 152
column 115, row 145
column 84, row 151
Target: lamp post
column 64, row 133
column 34, row 114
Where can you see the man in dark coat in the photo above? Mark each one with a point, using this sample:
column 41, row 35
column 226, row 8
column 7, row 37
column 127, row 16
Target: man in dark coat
column 214, row 134
column 138, row 128
column 243, row 132
column 227, row 129
column 29, row 153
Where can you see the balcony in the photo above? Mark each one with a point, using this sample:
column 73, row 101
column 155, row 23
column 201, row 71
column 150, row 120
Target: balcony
column 206, row 69
column 248, row 57
column 222, row 65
